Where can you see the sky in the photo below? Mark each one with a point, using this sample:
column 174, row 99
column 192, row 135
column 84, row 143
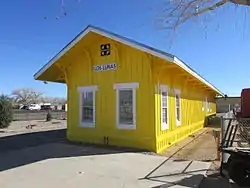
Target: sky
column 215, row 45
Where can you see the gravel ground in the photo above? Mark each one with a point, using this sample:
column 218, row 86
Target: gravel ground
column 20, row 127
column 201, row 146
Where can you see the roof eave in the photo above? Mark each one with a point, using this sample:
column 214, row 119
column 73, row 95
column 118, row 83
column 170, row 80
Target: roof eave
column 147, row 49
column 181, row 64
column 62, row 52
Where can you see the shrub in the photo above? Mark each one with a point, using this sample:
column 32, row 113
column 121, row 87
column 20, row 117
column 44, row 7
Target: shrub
column 6, row 113
column 49, row 116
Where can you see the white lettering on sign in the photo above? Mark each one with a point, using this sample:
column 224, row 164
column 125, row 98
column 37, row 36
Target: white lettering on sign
column 105, row 67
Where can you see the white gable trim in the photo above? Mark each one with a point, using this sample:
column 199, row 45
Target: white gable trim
column 138, row 46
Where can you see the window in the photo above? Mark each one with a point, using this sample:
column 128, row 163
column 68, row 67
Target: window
column 207, row 105
column 164, row 108
column 126, row 105
column 203, row 105
column 210, row 106
column 178, row 107
column 87, row 106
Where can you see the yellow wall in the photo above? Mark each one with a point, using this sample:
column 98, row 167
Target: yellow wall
column 192, row 115
column 133, row 66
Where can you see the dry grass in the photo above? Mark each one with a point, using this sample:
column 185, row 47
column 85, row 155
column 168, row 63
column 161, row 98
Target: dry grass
column 200, row 146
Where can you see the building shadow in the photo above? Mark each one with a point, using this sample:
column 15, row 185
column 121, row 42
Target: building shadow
column 192, row 182
column 23, row 149
column 195, row 181
column 215, row 180
column 20, row 141
column 213, row 121
column 192, row 179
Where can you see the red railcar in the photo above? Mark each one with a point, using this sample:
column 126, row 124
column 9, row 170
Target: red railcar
column 245, row 103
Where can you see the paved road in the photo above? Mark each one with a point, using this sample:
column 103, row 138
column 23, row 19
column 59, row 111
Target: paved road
column 66, row 165
column 46, row 159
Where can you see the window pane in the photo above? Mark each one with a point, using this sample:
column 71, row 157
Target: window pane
column 178, row 114
column 87, row 107
column 87, row 98
column 177, row 97
column 164, row 106
column 87, row 114
column 126, row 106
column 165, row 115
column 164, row 99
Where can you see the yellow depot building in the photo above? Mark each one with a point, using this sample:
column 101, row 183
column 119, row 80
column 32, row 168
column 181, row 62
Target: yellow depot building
column 124, row 93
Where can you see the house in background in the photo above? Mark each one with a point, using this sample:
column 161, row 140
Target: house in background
column 124, row 93
column 226, row 104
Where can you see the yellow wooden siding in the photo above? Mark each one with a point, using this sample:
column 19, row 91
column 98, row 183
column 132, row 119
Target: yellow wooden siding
column 192, row 116
column 133, row 66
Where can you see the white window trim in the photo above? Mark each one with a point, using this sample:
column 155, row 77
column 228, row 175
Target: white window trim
column 164, row 126
column 207, row 105
column 81, row 90
column 203, row 104
column 133, row 85
column 126, row 86
column 177, row 92
column 210, row 106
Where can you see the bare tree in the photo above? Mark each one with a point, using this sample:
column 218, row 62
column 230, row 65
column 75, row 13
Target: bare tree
column 26, row 96
column 180, row 11
column 58, row 100
column 53, row 100
column 65, row 8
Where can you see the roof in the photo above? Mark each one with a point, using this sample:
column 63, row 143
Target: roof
column 129, row 42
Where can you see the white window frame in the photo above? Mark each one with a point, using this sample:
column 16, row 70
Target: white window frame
column 164, row 126
column 126, row 86
column 177, row 92
column 203, row 104
column 207, row 105
column 81, row 90
column 210, row 107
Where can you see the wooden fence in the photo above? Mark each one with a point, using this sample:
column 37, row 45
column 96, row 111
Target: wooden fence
column 26, row 115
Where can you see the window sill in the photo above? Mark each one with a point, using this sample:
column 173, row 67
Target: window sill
column 164, row 127
column 126, row 126
column 87, row 124
column 178, row 123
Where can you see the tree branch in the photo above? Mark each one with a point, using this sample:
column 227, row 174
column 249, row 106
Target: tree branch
column 179, row 11
column 213, row 7
column 241, row 2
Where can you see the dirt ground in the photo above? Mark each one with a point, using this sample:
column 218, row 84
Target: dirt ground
column 201, row 146
column 21, row 127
